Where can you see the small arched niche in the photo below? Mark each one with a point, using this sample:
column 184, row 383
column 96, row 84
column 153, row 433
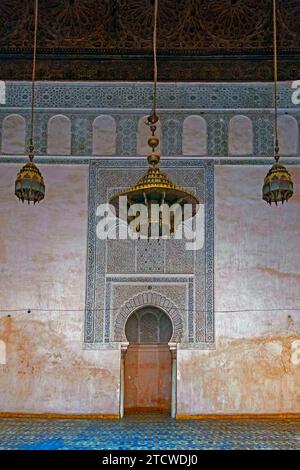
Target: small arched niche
column 2, row 352
column 240, row 138
column 104, row 135
column 149, row 325
column 59, row 135
column 194, row 136
column 2, row 92
column 288, row 134
column 13, row 135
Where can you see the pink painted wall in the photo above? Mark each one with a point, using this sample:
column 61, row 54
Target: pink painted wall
column 256, row 364
column 42, row 265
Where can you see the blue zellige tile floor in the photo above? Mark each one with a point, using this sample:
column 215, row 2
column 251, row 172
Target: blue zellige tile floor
column 148, row 432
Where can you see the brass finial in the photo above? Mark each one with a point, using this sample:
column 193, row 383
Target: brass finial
column 31, row 151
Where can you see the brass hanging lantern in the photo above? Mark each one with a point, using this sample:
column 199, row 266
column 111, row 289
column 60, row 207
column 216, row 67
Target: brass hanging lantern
column 29, row 185
column 155, row 187
column 278, row 185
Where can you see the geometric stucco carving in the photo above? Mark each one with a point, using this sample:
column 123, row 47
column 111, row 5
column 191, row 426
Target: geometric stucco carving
column 125, row 275
column 124, row 106
column 148, row 298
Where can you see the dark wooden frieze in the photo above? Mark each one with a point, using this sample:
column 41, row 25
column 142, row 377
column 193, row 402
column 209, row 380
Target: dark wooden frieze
column 111, row 40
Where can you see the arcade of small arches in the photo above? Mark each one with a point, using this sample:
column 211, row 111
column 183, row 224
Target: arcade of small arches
column 195, row 134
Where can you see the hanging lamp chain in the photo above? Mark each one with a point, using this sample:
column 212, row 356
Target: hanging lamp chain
column 278, row 184
column 277, row 155
column 153, row 119
column 154, row 104
column 31, row 146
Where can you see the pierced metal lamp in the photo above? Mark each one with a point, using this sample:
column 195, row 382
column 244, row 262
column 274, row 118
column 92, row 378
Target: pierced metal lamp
column 29, row 185
column 278, row 185
column 155, row 187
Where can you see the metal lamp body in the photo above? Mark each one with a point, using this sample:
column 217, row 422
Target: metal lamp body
column 278, row 185
column 30, row 184
column 155, row 187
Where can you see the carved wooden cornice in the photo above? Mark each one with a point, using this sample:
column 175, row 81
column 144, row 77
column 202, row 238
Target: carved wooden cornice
column 111, row 40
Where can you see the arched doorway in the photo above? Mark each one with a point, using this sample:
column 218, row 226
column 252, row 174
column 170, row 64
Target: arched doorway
column 148, row 362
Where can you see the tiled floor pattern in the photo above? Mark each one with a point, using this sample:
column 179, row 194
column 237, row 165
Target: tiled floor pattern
column 148, row 432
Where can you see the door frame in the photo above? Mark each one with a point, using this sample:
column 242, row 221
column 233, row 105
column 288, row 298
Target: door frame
column 173, row 350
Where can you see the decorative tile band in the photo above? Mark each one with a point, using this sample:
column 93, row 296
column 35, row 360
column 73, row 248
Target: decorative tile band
column 139, row 95
column 124, row 104
column 139, row 162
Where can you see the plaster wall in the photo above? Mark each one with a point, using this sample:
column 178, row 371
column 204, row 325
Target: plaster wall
column 256, row 364
column 42, row 268
column 255, row 367
column 44, row 366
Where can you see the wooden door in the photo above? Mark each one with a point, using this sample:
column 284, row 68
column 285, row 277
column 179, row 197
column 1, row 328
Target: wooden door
column 147, row 378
